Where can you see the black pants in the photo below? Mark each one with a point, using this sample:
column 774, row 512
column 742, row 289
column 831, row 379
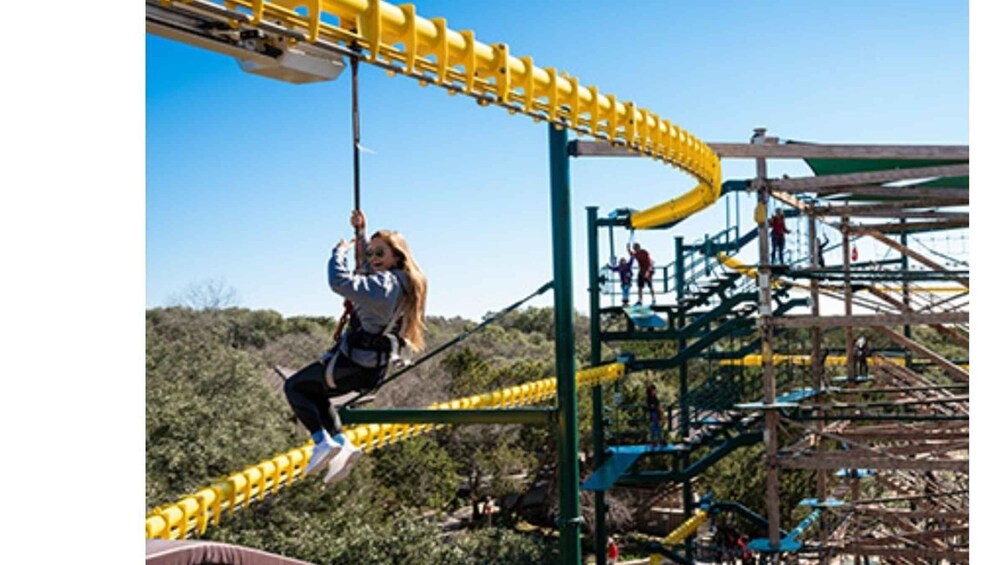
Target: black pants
column 308, row 393
column 777, row 248
column 861, row 365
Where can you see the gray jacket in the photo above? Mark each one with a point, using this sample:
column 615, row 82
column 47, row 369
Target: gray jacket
column 374, row 298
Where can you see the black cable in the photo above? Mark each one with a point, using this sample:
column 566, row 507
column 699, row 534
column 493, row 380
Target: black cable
column 460, row 337
column 355, row 133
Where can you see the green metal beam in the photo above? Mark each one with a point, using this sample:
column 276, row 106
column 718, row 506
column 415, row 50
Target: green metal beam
column 599, row 506
column 569, row 518
column 883, row 417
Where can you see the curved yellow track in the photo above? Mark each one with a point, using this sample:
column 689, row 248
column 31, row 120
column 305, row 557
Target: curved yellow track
column 682, row 532
column 426, row 49
column 194, row 512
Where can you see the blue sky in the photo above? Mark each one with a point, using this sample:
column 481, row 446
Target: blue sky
column 249, row 180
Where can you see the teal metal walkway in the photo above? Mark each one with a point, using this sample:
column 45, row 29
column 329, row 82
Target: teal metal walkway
column 619, row 460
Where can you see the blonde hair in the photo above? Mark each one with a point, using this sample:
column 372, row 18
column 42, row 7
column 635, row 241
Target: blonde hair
column 413, row 324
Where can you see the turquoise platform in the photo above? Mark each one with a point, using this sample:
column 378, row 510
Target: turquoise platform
column 620, row 458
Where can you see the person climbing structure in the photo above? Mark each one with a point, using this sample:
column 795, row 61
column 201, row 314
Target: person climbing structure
column 645, row 270
column 861, row 353
column 654, row 410
column 777, row 232
column 820, row 247
column 623, row 269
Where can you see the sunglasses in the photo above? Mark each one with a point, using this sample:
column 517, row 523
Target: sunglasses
column 379, row 252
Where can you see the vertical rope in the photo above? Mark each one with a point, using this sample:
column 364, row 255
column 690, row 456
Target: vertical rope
column 355, row 154
column 356, row 192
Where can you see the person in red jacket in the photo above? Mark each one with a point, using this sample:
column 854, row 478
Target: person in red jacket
column 613, row 553
column 777, row 231
column 645, row 270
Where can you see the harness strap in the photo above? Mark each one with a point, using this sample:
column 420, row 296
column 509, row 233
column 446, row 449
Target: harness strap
column 391, row 348
column 329, row 369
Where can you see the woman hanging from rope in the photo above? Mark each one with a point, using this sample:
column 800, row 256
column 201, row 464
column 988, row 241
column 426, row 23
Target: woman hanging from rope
column 386, row 326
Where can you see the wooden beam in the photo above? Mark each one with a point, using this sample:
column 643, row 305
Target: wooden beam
column 839, row 151
column 948, row 224
column 933, row 194
column 852, row 210
column 812, row 184
column 792, row 201
column 894, row 212
column 926, row 535
column 911, row 253
column 952, row 369
column 840, row 461
column 804, row 208
column 946, row 331
column 891, row 403
column 727, row 150
column 864, row 320
column 913, row 554
column 904, row 436
column 584, row 148
column 914, row 514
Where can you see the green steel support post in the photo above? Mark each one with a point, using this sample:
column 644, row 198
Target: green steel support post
column 569, row 520
column 905, row 266
column 679, row 269
column 681, row 344
column 600, row 529
column 614, row 254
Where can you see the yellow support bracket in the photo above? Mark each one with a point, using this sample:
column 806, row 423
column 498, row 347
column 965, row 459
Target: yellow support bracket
column 257, row 10
column 441, row 50
column 503, row 76
column 410, row 38
column 371, row 27
column 575, row 116
column 469, row 60
column 552, row 95
column 631, row 126
column 612, row 118
column 314, row 16
column 594, row 111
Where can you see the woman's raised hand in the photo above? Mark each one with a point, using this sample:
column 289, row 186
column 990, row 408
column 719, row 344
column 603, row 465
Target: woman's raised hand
column 358, row 220
column 345, row 245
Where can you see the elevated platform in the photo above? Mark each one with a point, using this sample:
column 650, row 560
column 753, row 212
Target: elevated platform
column 644, row 317
column 855, row 473
column 816, row 503
column 786, row 400
column 619, row 460
column 853, row 379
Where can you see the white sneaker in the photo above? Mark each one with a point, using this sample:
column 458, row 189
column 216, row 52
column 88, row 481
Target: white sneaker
column 322, row 454
column 342, row 464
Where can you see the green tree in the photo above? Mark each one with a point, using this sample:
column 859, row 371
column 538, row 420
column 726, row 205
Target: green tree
column 417, row 473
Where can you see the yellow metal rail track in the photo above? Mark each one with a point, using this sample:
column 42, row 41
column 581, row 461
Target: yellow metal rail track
column 195, row 512
column 682, row 532
column 397, row 39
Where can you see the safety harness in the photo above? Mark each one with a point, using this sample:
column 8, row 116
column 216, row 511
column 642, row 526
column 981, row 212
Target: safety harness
column 391, row 347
